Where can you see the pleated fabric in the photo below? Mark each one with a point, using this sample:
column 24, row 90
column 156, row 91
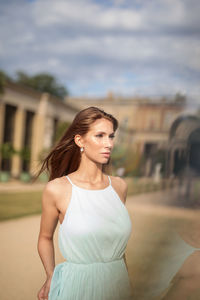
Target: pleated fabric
column 92, row 238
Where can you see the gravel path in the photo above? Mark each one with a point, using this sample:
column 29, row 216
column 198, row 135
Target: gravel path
column 22, row 273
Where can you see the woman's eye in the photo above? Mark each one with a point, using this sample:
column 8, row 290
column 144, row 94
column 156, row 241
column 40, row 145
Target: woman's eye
column 100, row 135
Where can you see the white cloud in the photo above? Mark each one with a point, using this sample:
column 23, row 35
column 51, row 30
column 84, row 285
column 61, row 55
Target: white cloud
column 84, row 13
column 127, row 46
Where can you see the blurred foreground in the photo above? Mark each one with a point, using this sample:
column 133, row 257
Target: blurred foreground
column 163, row 246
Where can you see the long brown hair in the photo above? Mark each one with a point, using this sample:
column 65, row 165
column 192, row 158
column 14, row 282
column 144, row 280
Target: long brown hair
column 65, row 157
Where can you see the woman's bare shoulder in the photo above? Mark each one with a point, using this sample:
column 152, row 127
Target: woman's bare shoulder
column 56, row 186
column 119, row 181
column 120, row 186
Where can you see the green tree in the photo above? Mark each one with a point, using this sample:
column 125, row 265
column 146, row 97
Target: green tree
column 3, row 78
column 180, row 98
column 133, row 162
column 61, row 128
column 42, row 82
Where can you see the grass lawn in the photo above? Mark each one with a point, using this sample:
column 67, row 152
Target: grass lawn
column 19, row 204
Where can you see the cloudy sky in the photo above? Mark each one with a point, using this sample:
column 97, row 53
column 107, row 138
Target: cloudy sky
column 129, row 47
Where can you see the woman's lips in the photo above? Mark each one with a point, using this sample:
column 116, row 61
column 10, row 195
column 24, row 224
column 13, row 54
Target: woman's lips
column 106, row 154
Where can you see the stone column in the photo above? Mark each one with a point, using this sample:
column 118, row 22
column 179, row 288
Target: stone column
column 171, row 161
column 2, row 120
column 18, row 141
column 38, row 134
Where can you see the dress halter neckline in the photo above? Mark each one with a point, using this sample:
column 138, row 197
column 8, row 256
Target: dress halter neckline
column 89, row 189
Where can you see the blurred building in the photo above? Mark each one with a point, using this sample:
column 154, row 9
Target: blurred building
column 183, row 149
column 29, row 118
column 144, row 124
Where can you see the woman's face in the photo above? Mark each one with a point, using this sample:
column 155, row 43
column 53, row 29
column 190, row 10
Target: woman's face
column 99, row 140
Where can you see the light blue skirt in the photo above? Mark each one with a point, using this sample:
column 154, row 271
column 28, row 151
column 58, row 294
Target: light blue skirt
column 93, row 281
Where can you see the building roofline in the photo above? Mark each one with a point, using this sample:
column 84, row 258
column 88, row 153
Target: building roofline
column 127, row 100
column 36, row 94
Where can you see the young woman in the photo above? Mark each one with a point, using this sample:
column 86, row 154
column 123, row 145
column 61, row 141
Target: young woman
column 94, row 223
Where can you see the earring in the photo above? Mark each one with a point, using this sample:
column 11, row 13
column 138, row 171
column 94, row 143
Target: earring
column 81, row 149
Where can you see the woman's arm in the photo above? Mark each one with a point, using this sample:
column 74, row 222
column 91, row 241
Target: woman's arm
column 124, row 190
column 45, row 246
column 125, row 261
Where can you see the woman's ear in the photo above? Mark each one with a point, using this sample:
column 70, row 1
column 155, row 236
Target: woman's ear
column 78, row 140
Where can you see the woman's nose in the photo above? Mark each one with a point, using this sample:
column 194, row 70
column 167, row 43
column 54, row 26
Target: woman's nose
column 108, row 142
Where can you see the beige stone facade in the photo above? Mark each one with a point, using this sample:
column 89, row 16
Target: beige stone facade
column 29, row 118
column 144, row 124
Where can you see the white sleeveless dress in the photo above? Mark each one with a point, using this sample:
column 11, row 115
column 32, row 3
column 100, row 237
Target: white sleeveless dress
column 92, row 238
